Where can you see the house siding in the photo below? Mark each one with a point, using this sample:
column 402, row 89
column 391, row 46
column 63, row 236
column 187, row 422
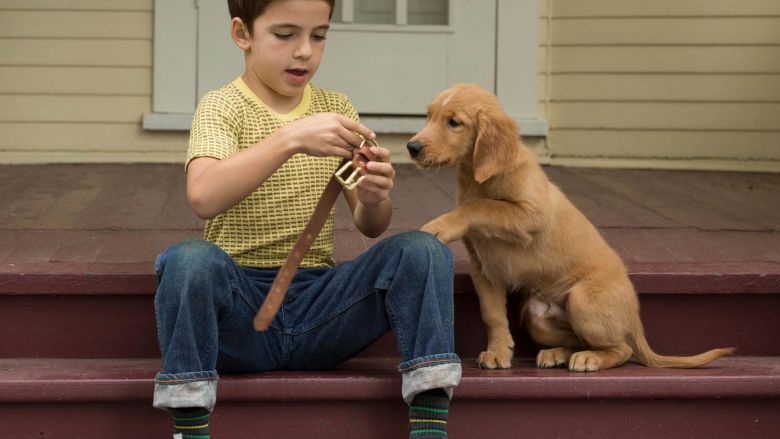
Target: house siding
column 669, row 84
column 75, row 81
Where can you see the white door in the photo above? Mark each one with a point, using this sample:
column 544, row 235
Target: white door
column 389, row 56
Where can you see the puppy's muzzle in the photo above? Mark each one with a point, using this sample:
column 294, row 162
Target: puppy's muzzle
column 414, row 148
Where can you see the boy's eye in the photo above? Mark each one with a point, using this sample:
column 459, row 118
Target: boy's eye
column 319, row 37
column 283, row 36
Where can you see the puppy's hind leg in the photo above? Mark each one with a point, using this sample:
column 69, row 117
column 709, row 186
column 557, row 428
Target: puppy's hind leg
column 600, row 318
column 548, row 325
column 492, row 305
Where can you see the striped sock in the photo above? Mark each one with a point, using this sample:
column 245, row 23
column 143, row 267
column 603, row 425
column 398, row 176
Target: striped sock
column 428, row 415
column 191, row 423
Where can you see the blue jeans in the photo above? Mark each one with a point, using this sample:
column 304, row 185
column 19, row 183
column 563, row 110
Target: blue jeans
column 205, row 304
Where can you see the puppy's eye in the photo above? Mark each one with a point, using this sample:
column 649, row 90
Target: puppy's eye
column 453, row 122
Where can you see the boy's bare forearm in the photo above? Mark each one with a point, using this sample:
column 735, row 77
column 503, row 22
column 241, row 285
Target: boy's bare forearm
column 214, row 186
column 373, row 220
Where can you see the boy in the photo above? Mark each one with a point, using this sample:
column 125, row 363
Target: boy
column 261, row 151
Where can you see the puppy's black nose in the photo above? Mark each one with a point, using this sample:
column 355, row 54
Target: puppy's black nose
column 414, row 148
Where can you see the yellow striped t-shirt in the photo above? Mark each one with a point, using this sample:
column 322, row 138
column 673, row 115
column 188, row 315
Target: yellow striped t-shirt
column 261, row 230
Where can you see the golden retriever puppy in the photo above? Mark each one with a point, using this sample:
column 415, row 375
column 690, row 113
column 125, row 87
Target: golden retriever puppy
column 522, row 233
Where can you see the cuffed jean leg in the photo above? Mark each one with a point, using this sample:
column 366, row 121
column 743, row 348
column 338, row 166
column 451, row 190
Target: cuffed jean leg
column 427, row 374
column 403, row 283
column 420, row 302
column 199, row 286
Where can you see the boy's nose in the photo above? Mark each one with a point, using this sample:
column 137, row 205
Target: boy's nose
column 303, row 51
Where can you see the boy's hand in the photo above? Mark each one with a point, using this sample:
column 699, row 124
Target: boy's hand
column 378, row 183
column 326, row 134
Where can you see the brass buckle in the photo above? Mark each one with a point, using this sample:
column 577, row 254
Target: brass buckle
column 354, row 178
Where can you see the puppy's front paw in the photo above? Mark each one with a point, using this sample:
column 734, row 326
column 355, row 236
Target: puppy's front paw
column 445, row 228
column 495, row 360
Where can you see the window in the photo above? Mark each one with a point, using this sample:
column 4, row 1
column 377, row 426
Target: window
column 398, row 12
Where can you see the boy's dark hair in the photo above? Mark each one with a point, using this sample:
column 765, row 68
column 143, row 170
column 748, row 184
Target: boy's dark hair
column 248, row 10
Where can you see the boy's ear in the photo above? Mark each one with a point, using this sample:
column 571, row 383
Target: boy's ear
column 240, row 34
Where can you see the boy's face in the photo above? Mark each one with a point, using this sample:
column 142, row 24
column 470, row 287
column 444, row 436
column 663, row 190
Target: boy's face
column 286, row 49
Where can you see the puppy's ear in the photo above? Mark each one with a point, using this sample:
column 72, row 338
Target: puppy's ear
column 497, row 144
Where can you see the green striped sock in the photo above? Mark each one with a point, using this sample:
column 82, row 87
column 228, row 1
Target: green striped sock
column 428, row 415
column 191, row 423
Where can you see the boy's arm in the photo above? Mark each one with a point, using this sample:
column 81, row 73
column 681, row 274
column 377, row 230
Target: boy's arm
column 214, row 186
column 372, row 208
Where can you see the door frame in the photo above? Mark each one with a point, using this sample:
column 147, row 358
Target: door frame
column 175, row 68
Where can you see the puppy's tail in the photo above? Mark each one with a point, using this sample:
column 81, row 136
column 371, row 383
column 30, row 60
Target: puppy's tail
column 646, row 356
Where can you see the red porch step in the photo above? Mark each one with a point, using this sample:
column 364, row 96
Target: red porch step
column 76, row 282
column 107, row 311
column 736, row 397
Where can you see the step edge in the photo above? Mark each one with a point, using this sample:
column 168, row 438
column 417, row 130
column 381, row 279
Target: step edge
column 385, row 383
column 389, row 388
column 37, row 283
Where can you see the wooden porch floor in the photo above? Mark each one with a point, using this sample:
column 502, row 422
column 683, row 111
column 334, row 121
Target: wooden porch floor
column 719, row 227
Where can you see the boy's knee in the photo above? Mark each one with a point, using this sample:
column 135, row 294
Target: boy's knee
column 192, row 255
column 425, row 246
column 190, row 268
column 419, row 255
column 195, row 263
